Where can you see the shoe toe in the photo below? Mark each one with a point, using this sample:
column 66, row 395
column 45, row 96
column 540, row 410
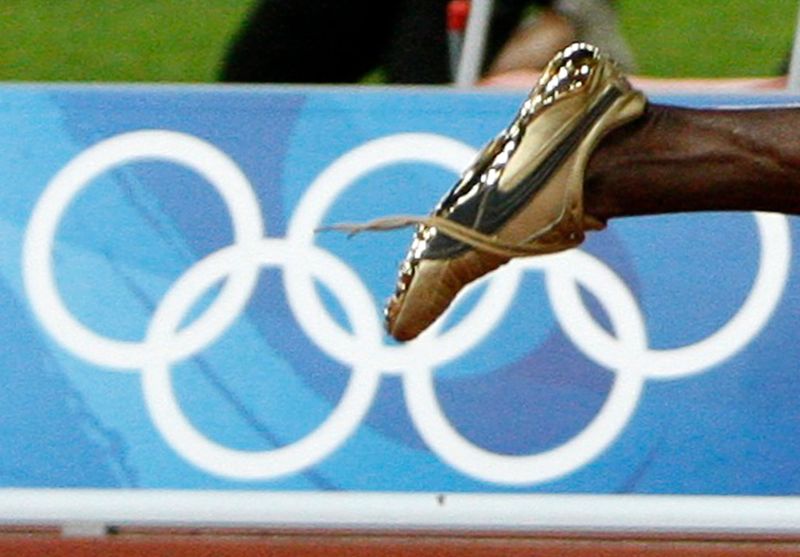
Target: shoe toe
column 421, row 296
column 427, row 287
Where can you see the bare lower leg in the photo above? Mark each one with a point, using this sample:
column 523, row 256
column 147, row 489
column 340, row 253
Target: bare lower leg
column 676, row 160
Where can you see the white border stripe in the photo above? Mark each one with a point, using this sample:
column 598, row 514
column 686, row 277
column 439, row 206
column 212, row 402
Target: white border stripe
column 530, row 513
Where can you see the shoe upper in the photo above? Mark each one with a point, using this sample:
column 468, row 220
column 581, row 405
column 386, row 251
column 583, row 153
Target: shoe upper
column 508, row 172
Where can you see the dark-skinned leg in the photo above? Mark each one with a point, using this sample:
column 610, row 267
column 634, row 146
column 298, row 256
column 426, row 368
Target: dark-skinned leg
column 675, row 159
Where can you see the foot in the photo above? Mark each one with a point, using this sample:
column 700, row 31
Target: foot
column 524, row 193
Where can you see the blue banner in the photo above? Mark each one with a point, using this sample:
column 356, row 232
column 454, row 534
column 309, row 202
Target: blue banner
column 172, row 321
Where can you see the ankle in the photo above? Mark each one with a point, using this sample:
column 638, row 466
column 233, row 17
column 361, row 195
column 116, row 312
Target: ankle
column 612, row 165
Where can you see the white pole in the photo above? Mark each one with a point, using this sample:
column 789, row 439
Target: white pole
column 469, row 68
column 794, row 66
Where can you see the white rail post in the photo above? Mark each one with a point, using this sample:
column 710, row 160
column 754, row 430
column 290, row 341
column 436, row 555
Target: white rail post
column 469, row 68
column 794, row 66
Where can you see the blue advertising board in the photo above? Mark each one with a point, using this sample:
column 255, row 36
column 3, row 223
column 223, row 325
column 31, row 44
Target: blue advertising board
column 179, row 344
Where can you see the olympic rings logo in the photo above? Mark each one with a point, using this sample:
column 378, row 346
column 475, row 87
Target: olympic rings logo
column 363, row 350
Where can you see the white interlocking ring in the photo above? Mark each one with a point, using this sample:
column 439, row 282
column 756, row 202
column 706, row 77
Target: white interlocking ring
column 432, row 347
column 37, row 261
column 765, row 295
column 430, row 420
column 163, row 405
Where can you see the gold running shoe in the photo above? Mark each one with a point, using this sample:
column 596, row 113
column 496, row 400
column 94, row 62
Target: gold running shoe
column 522, row 196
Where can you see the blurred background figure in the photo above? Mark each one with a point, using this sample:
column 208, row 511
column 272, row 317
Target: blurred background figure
column 542, row 33
column 325, row 41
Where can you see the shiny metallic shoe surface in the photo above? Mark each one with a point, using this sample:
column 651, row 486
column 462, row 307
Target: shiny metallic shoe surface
column 523, row 195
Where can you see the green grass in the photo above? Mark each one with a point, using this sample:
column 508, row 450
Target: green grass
column 713, row 38
column 115, row 40
column 184, row 40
